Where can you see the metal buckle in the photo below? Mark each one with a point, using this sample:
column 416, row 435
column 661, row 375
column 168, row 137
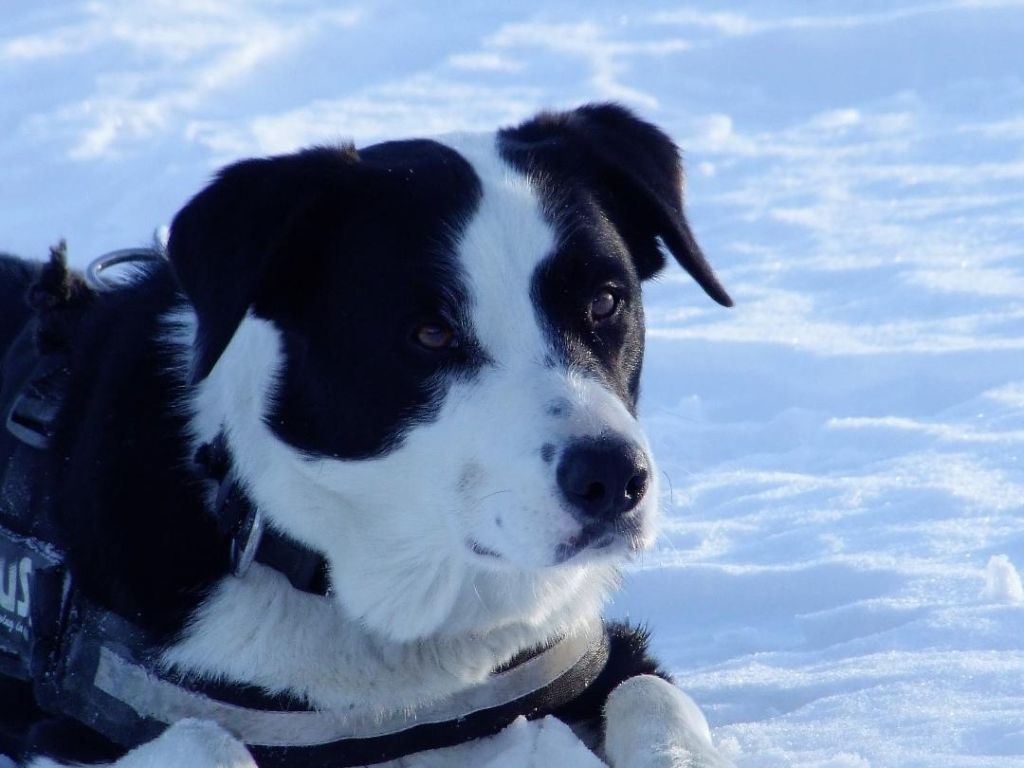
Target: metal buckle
column 94, row 276
column 32, row 417
column 31, row 420
column 245, row 543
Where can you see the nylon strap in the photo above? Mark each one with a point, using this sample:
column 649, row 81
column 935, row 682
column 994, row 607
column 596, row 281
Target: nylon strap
column 309, row 738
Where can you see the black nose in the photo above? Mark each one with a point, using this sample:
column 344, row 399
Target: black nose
column 604, row 478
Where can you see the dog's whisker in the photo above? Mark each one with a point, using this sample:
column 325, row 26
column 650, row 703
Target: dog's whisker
column 493, row 493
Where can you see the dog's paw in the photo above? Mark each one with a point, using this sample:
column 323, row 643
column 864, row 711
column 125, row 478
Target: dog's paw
column 649, row 723
column 192, row 744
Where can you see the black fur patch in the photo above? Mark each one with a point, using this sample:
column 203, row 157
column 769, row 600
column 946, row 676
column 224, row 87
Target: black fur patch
column 589, row 259
column 627, row 657
column 347, row 253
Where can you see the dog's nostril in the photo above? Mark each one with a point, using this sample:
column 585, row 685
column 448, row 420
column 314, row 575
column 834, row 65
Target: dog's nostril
column 636, row 487
column 594, row 492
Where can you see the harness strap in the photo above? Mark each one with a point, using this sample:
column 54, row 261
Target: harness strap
column 33, row 388
column 33, row 415
column 107, row 687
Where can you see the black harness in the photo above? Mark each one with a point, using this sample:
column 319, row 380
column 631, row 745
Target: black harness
column 90, row 664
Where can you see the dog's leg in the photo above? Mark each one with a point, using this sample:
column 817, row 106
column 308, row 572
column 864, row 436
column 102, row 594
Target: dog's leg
column 649, row 723
column 192, row 743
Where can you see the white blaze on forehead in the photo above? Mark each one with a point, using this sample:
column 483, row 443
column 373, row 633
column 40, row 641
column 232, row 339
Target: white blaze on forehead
column 499, row 249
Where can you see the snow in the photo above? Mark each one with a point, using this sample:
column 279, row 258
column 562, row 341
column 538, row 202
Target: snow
column 1002, row 582
column 837, row 582
column 542, row 743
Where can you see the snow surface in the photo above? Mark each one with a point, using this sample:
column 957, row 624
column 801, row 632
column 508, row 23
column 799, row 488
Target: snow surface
column 838, row 583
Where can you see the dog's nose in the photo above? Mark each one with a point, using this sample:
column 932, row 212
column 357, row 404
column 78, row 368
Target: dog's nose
column 603, row 478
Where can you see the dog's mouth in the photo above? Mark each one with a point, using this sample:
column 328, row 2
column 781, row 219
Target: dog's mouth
column 595, row 537
column 623, row 536
column 600, row 536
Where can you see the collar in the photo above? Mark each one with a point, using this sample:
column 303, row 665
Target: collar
column 250, row 538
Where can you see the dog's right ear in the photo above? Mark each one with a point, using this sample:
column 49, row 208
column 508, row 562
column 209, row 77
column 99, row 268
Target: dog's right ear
column 231, row 238
column 635, row 171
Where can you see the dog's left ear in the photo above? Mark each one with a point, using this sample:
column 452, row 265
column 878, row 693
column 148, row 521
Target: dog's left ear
column 238, row 236
column 635, row 171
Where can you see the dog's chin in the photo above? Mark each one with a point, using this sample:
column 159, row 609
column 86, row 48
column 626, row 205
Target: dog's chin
column 406, row 604
column 589, row 544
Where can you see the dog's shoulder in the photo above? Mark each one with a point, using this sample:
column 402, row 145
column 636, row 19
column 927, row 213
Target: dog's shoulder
column 128, row 505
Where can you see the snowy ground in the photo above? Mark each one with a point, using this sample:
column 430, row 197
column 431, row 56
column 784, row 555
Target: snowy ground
column 837, row 584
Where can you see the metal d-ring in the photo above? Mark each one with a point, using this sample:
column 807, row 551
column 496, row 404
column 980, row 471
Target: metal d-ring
column 94, row 272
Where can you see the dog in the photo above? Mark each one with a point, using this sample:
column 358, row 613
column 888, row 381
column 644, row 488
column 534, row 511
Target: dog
column 420, row 362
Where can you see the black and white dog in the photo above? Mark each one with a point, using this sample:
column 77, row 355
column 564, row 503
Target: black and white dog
column 423, row 360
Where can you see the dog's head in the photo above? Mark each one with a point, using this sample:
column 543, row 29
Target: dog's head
column 426, row 354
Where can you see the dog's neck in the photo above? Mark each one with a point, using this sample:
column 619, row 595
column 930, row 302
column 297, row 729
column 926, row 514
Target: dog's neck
column 407, row 622
column 260, row 630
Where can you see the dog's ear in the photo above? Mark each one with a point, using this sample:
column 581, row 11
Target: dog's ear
column 231, row 240
column 635, row 171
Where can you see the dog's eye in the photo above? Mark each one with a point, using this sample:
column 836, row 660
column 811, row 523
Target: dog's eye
column 436, row 336
column 603, row 305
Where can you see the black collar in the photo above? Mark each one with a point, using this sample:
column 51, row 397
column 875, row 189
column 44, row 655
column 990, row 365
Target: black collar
column 242, row 522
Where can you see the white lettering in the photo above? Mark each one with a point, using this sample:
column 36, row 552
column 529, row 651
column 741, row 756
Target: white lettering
column 25, row 574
